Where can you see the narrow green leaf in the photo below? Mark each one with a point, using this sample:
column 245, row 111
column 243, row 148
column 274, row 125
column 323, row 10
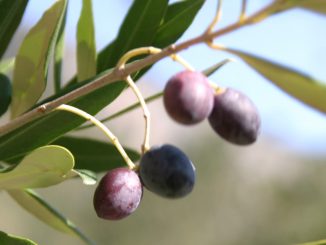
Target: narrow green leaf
column 33, row 135
column 86, row 48
column 88, row 177
column 177, row 19
column 34, row 204
column 45, row 166
column 5, row 93
column 318, row 6
column 137, row 30
column 297, row 84
column 11, row 13
column 32, row 60
column 95, row 155
column 210, row 70
column 58, row 53
column 8, row 239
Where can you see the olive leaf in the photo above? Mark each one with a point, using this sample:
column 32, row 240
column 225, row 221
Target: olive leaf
column 95, row 155
column 11, row 13
column 86, row 48
column 45, row 166
column 36, row 205
column 295, row 83
column 8, row 239
column 32, row 60
column 178, row 17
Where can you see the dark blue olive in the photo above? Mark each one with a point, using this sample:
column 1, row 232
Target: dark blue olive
column 167, row 171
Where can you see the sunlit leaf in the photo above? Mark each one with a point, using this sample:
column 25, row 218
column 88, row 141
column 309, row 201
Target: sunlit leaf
column 95, row 155
column 45, row 166
column 8, row 239
column 297, row 84
column 5, row 93
column 6, row 65
column 34, row 204
column 177, row 19
column 11, row 13
column 86, row 49
column 31, row 65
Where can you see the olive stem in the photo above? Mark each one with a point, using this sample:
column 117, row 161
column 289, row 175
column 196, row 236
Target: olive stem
column 243, row 11
column 146, row 113
column 102, row 127
column 216, row 18
column 151, row 50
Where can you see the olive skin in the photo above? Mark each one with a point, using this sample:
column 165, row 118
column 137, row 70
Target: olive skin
column 188, row 97
column 167, row 171
column 234, row 117
column 118, row 194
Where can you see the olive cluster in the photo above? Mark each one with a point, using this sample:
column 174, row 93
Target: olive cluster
column 166, row 170
column 189, row 99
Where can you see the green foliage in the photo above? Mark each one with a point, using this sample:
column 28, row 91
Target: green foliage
column 32, row 60
column 176, row 20
column 31, row 136
column 45, row 166
column 11, row 13
column 95, row 155
column 8, row 239
column 34, row 204
column 137, row 30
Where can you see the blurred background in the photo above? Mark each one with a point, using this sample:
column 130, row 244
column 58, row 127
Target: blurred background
column 272, row 192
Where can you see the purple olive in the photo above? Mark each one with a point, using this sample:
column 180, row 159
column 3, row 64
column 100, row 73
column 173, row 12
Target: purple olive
column 118, row 194
column 188, row 97
column 234, row 117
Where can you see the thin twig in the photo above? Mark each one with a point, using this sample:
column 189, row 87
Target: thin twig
column 216, row 18
column 101, row 126
column 243, row 10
